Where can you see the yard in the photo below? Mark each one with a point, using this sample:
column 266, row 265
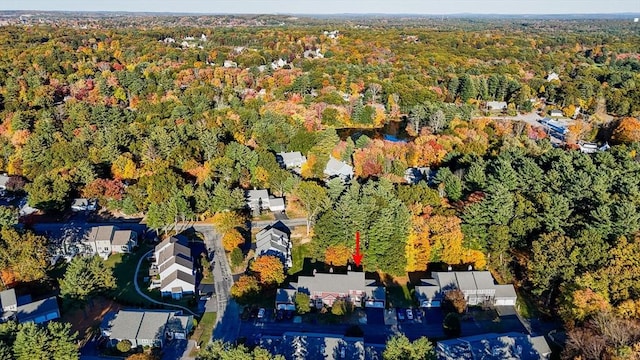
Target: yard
column 203, row 332
column 400, row 296
column 124, row 266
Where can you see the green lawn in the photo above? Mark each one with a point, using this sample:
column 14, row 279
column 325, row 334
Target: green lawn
column 400, row 296
column 206, row 324
column 124, row 266
column 298, row 254
column 525, row 307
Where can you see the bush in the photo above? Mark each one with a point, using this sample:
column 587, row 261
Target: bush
column 236, row 257
column 302, row 303
column 124, row 346
column 339, row 307
column 451, row 325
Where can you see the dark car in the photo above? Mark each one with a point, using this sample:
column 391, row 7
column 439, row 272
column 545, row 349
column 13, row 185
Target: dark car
column 280, row 314
column 288, row 314
column 254, row 312
column 401, row 313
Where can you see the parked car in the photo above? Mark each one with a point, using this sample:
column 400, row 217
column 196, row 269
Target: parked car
column 254, row 312
column 401, row 314
column 410, row 314
column 288, row 314
column 280, row 314
column 261, row 313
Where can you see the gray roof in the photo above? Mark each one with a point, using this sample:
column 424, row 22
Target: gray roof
column 179, row 274
column 186, row 263
column 513, row 346
column 8, row 298
column 505, row 291
column 32, row 310
column 483, row 279
column 174, row 249
column 338, row 283
column 447, row 280
column 336, row 167
column 139, row 324
column 276, row 202
column 179, row 322
column 255, row 195
column 465, row 281
column 497, row 105
column 428, row 292
column 315, row 346
column 126, row 324
column 272, row 239
column 291, row 158
column 121, row 237
column 102, row 233
column 153, row 323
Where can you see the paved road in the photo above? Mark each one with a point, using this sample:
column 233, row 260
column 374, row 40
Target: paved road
column 289, row 222
column 135, row 284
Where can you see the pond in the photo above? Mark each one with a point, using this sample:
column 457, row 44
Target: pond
column 394, row 131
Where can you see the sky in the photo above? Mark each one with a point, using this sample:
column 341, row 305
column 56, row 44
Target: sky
column 436, row 7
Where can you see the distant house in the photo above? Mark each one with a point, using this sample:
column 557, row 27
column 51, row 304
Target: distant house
column 24, row 310
column 146, row 327
column 4, row 179
column 496, row 105
column 174, row 264
column 82, row 204
column 229, row 64
column 318, row 346
column 515, row 346
column 590, row 148
column 414, row 175
column 291, row 160
column 555, row 113
column 552, row 76
column 477, row 286
column 324, row 289
column 106, row 240
column 258, row 200
column 274, row 240
column 337, row 168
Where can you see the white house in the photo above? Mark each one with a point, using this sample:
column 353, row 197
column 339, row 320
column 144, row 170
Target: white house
column 552, row 76
column 174, row 265
column 291, row 160
column 146, row 327
column 258, row 200
column 81, row 204
column 105, row 240
column 337, row 168
column 25, row 310
column 477, row 286
column 555, row 113
column 496, row 105
column 274, row 240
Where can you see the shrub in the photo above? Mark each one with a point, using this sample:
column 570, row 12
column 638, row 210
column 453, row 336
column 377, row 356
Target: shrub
column 124, row 346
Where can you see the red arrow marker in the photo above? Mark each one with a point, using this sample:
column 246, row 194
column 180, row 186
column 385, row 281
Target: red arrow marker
column 357, row 257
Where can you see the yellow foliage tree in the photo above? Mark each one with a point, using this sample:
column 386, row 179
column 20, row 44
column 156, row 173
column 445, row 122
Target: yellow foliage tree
column 124, row 167
column 337, row 255
column 269, row 270
column 418, row 248
column 232, row 239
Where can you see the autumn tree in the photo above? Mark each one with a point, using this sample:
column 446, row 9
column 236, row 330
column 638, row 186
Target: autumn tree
column 302, row 303
column 338, row 255
column 313, row 198
column 454, row 301
column 231, row 240
column 627, row 131
column 245, row 288
column 23, row 255
column 269, row 270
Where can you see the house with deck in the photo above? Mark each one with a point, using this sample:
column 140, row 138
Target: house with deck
column 259, row 200
column 325, row 289
column 274, row 240
column 23, row 309
column 337, row 168
column 107, row 240
column 478, row 288
column 146, row 327
column 174, row 266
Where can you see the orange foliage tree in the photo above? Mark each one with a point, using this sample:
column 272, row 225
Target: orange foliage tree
column 418, row 247
column 232, row 239
column 337, row 255
column 244, row 288
column 269, row 270
column 628, row 130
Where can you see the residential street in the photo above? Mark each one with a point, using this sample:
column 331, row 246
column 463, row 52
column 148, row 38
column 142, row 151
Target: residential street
column 289, row 222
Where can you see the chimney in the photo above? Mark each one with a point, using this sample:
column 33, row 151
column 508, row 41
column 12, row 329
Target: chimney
column 449, row 268
column 349, row 267
column 314, row 271
column 331, row 270
column 470, row 268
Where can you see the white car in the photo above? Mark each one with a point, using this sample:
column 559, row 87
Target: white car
column 409, row 314
column 261, row 313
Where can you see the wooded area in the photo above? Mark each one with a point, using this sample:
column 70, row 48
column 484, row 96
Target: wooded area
column 174, row 123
